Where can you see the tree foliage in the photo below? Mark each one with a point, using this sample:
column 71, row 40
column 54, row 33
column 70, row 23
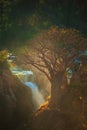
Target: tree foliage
column 20, row 18
column 54, row 49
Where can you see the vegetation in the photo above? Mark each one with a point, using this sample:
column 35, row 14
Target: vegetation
column 43, row 33
column 3, row 61
column 21, row 20
column 52, row 52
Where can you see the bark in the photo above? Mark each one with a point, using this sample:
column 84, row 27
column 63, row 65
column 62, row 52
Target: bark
column 56, row 92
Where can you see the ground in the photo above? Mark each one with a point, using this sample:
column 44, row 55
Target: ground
column 72, row 114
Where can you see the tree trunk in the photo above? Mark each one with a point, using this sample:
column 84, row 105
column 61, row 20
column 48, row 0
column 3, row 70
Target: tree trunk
column 56, row 92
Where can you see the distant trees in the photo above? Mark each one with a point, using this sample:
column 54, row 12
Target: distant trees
column 5, row 14
column 52, row 52
column 21, row 19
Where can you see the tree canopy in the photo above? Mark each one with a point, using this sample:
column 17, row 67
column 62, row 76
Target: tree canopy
column 54, row 49
column 21, row 19
column 52, row 52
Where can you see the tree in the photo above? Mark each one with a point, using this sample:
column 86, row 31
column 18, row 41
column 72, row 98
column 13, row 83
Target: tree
column 52, row 52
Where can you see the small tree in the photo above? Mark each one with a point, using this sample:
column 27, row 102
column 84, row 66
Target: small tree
column 52, row 52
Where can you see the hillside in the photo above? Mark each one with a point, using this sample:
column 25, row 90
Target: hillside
column 16, row 104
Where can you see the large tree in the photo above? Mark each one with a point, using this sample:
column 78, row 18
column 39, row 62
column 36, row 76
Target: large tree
column 52, row 52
